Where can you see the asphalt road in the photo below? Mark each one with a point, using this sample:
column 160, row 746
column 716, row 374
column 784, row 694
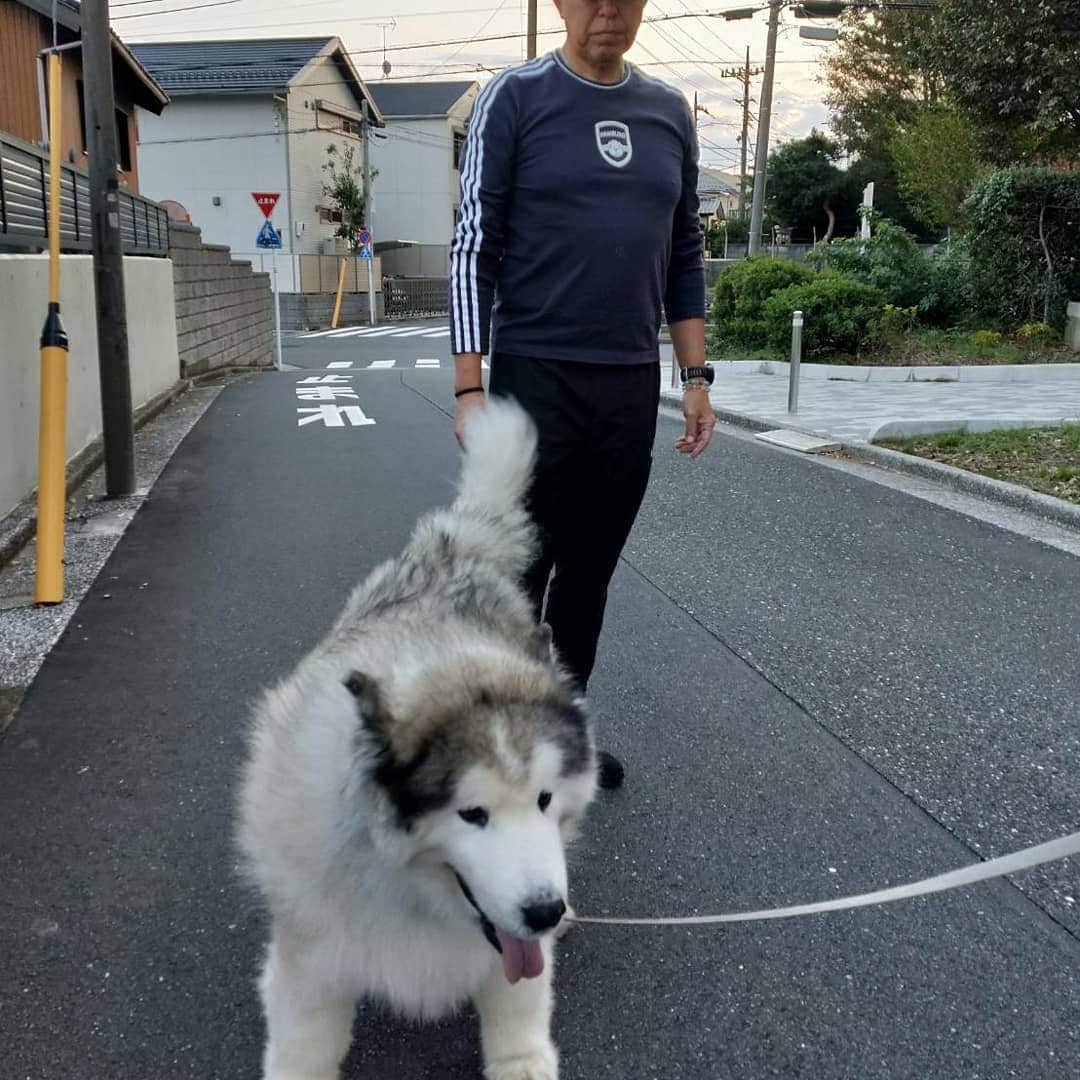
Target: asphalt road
column 819, row 686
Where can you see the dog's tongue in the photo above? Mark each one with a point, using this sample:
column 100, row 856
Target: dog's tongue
column 522, row 957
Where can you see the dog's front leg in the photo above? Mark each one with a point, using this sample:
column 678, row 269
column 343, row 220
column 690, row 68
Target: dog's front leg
column 515, row 1025
column 309, row 1025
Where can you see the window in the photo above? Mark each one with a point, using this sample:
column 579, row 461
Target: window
column 330, row 216
column 459, row 148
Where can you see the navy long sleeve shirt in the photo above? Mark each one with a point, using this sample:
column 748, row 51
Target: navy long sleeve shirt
column 578, row 221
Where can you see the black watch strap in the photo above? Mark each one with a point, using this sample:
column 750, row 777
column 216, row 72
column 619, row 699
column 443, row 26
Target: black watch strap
column 705, row 373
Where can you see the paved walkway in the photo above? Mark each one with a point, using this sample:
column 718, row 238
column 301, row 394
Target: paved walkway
column 858, row 410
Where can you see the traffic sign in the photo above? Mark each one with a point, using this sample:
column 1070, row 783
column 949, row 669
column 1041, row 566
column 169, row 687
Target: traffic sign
column 364, row 238
column 268, row 236
column 365, row 251
column 266, row 200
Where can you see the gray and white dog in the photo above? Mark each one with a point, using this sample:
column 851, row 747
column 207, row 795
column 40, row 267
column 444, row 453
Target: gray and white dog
column 411, row 787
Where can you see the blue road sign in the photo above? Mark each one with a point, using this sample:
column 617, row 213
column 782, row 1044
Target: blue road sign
column 364, row 238
column 365, row 251
column 268, row 236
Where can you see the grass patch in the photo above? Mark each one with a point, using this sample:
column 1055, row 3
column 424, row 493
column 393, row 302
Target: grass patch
column 1043, row 459
column 920, row 347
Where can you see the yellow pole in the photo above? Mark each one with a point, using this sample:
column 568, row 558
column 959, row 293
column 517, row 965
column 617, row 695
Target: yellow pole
column 340, row 290
column 52, row 433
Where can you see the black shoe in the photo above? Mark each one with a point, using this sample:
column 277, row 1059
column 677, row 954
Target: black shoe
column 610, row 771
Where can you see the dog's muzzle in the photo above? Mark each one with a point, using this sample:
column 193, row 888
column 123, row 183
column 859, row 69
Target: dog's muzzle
column 486, row 925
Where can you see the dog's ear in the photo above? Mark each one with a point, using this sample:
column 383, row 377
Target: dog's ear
column 369, row 701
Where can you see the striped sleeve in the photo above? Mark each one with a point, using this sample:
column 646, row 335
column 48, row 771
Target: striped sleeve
column 486, row 177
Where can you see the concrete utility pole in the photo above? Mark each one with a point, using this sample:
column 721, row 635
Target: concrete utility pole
column 113, row 363
column 761, row 155
column 743, row 74
column 530, row 38
column 365, row 168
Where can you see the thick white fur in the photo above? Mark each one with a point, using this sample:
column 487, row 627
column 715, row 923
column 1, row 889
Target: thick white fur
column 361, row 907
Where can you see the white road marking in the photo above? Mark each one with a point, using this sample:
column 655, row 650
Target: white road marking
column 428, row 363
column 444, row 332
column 339, row 364
column 377, row 364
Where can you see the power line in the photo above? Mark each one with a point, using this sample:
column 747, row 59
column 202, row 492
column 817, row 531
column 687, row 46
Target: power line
column 174, row 11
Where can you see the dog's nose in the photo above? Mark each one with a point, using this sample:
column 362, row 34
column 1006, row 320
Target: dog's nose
column 543, row 915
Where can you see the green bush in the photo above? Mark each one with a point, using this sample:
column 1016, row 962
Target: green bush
column 1011, row 214
column 1037, row 334
column 741, row 292
column 984, row 341
column 949, row 298
column 840, row 316
column 890, row 261
column 896, row 321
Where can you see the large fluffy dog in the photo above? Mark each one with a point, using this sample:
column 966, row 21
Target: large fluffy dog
column 411, row 786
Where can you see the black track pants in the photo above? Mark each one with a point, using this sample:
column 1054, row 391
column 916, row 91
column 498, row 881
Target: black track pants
column 596, row 424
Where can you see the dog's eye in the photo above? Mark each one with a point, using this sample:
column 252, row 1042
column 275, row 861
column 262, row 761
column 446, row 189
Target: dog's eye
column 544, row 801
column 476, row 815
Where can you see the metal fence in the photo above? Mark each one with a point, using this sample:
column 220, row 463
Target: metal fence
column 414, row 298
column 24, row 206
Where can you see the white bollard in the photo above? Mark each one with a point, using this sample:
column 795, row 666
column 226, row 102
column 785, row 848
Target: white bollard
column 796, row 359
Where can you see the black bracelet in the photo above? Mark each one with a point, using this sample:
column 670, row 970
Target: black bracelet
column 468, row 390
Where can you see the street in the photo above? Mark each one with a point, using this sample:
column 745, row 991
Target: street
column 819, row 686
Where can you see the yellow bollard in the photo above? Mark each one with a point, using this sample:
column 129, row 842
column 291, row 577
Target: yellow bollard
column 340, row 290
column 52, row 433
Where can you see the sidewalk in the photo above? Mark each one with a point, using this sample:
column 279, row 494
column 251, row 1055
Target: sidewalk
column 831, row 403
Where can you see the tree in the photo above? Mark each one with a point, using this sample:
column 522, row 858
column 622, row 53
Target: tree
column 1015, row 67
column 881, row 73
column 937, row 158
column 805, row 186
column 344, row 188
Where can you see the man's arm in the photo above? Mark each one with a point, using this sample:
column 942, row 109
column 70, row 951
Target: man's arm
column 486, row 178
column 684, row 303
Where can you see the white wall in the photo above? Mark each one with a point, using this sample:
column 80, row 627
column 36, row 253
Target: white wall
column 24, row 291
column 226, row 147
column 416, row 190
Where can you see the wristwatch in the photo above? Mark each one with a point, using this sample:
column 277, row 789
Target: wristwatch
column 705, row 372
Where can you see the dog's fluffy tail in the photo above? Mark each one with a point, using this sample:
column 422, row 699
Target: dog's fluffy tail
column 500, row 453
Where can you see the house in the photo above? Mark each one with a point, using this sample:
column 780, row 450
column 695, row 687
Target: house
column 26, row 29
column 254, row 116
column 718, row 196
column 416, row 193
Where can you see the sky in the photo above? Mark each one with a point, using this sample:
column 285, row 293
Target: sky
column 691, row 52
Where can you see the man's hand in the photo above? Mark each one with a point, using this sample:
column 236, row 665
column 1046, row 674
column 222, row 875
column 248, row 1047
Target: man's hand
column 464, row 406
column 700, row 421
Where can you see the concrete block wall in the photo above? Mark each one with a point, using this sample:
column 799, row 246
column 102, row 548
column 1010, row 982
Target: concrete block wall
column 313, row 311
column 224, row 308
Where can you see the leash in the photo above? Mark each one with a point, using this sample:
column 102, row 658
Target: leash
column 1026, row 859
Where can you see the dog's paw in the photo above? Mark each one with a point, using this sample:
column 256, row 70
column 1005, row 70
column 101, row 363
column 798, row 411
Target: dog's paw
column 542, row 1064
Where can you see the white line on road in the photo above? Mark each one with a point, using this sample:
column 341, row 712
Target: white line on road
column 428, row 363
column 340, row 363
column 378, row 364
column 444, row 332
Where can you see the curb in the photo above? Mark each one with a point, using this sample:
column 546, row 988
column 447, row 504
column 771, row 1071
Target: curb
column 985, row 487
column 1020, row 498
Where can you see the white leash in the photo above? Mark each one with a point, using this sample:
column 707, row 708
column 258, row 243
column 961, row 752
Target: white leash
column 953, row 879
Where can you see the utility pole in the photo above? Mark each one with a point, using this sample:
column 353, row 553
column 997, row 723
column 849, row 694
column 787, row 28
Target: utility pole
column 743, row 74
column 747, row 73
column 365, row 168
column 761, row 155
column 530, row 37
column 101, row 135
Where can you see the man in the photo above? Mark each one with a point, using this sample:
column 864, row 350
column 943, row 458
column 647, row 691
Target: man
column 578, row 224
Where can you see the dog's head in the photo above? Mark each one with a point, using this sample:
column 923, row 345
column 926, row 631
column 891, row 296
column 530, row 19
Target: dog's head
column 486, row 764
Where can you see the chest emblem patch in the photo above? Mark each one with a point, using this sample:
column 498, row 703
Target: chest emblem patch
column 613, row 142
